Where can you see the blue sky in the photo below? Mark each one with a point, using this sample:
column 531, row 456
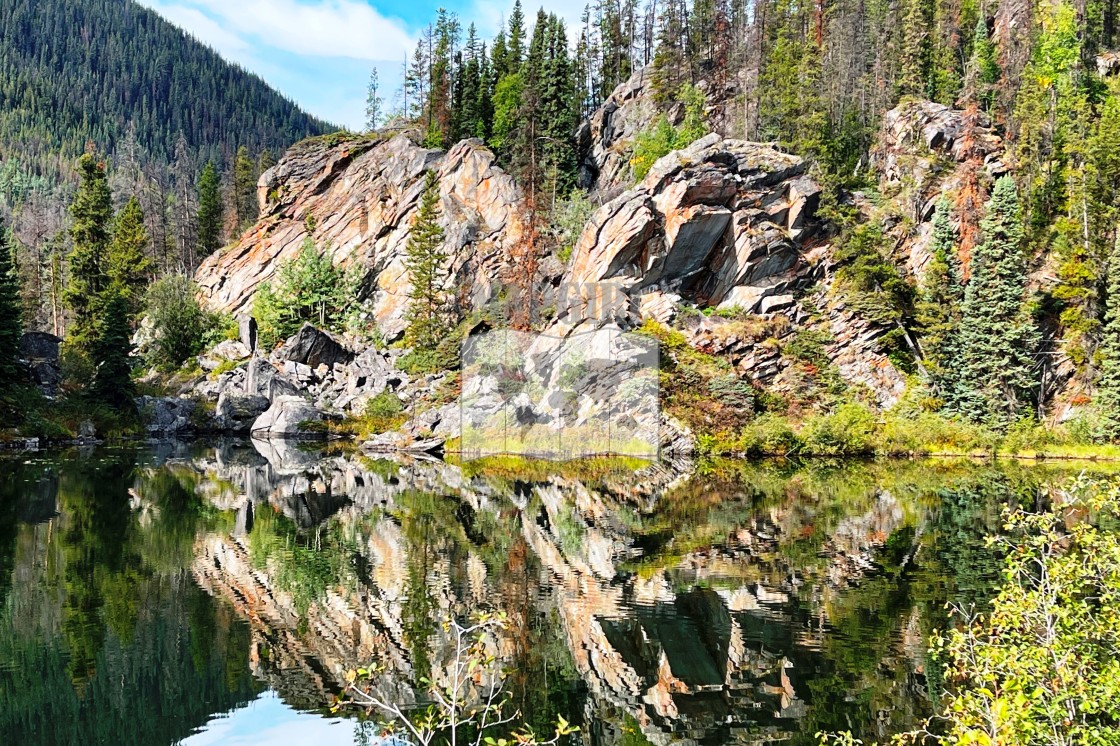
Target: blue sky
column 320, row 52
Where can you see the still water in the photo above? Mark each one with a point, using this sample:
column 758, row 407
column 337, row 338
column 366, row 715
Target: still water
column 218, row 594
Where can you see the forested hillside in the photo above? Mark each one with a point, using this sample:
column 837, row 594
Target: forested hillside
column 73, row 72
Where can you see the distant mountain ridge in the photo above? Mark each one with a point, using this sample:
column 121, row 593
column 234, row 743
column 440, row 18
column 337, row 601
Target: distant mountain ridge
column 75, row 71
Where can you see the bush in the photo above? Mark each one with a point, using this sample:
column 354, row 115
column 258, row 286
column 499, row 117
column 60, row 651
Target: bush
column 181, row 328
column 851, row 430
column 383, row 413
column 769, row 435
column 662, row 138
column 568, row 221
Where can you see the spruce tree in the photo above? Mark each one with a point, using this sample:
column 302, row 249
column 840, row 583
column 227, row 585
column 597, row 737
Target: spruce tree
column 91, row 213
column 426, row 261
column 515, row 42
column 127, row 263
column 998, row 338
column 373, row 102
column 11, row 329
column 111, row 353
column 244, row 188
column 1108, row 385
column 938, row 309
column 265, row 161
column 209, row 211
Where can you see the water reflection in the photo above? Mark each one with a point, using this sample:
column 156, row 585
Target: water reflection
column 211, row 593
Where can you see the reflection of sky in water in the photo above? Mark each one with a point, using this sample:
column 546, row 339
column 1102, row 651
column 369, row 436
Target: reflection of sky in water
column 267, row 721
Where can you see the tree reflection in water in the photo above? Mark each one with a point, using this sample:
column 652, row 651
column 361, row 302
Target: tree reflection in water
column 143, row 592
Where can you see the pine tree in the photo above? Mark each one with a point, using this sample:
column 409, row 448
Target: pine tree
column 11, row 329
column 209, row 211
column 915, row 49
column 1107, row 400
column 998, row 338
column 265, row 161
column 91, row 213
column 938, row 309
column 982, row 71
column 373, row 103
column 515, row 41
column 244, row 188
column 111, row 353
column 127, row 263
column 426, row 261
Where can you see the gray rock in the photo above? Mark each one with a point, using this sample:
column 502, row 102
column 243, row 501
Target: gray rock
column 167, row 416
column 263, row 379
column 40, row 354
column 313, row 347
column 236, row 413
column 39, row 346
column 247, row 332
column 228, row 351
column 289, row 417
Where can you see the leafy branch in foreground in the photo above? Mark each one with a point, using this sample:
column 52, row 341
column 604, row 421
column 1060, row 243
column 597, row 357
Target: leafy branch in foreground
column 468, row 706
column 1042, row 668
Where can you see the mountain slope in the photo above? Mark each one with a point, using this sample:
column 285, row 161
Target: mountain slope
column 73, row 71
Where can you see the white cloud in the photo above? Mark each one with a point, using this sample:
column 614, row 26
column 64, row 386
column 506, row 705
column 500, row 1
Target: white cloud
column 325, row 28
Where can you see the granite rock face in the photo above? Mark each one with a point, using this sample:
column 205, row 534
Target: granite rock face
column 362, row 194
column 722, row 222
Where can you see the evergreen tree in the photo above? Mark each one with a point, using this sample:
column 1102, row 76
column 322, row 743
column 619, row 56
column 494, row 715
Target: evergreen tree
column 91, row 213
column 998, row 338
column 938, row 308
column 11, row 328
column 265, row 161
column 111, row 353
column 982, row 71
column 426, row 261
column 1108, row 385
column 244, row 188
column 373, row 102
column 515, row 41
column 915, row 62
column 127, row 263
column 209, row 211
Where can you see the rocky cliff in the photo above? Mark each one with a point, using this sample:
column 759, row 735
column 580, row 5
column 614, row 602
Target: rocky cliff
column 357, row 196
column 723, row 225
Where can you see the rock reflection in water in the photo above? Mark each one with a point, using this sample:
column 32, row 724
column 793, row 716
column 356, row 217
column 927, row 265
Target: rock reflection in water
column 750, row 604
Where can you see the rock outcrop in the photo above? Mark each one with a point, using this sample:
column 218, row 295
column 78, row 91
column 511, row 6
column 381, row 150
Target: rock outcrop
column 39, row 353
column 359, row 194
column 604, row 139
column 722, row 222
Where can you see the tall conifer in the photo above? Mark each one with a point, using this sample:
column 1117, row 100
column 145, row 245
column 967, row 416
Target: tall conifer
column 92, row 213
column 998, row 338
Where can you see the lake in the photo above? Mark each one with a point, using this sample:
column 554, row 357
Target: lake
column 218, row 593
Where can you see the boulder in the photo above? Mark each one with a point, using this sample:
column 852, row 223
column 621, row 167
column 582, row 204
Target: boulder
column 39, row 352
column 167, row 416
column 313, row 347
column 721, row 220
column 236, row 413
column 365, row 191
column 263, row 379
column 231, row 350
column 290, row 417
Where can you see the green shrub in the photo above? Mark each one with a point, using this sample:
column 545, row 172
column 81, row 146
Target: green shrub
column 769, row 435
column 851, row 430
column 568, row 221
column 383, row 413
column 662, row 138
